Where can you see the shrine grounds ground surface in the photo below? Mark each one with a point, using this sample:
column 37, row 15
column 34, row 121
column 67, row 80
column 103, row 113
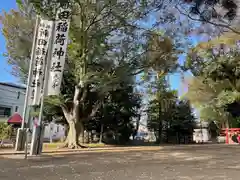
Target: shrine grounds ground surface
column 190, row 162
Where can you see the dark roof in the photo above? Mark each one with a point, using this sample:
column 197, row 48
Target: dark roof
column 13, row 85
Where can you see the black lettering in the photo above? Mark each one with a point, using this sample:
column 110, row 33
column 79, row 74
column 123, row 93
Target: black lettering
column 58, row 52
column 38, row 51
column 39, row 60
column 60, row 39
column 34, row 72
column 62, row 27
column 44, row 32
column 42, row 42
column 56, row 81
column 56, row 67
column 64, row 15
column 44, row 52
column 33, row 83
column 40, row 72
column 32, row 93
column 38, row 83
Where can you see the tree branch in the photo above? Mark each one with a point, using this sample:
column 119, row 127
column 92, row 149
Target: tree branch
column 65, row 112
column 94, row 110
column 76, row 94
column 84, row 95
column 210, row 22
column 140, row 70
column 94, row 20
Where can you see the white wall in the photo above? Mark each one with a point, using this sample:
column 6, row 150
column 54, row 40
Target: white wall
column 201, row 135
column 54, row 131
column 9, row 98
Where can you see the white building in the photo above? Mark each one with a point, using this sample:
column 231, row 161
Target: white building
column 54, row 131
column 144, row 134
column 201, row 134
column 11, row 99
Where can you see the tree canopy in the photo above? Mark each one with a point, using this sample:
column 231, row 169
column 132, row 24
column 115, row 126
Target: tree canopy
column 166, row 114
column 215, row 85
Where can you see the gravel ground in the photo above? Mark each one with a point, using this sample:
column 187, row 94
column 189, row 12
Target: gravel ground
column 202, row 162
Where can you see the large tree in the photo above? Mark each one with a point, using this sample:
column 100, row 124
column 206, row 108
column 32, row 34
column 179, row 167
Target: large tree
column 182, row 120
column 203, row 95
column 117, row 114
column 159, row 106
column 107, row 49
column 167, row 116
column 215, row 87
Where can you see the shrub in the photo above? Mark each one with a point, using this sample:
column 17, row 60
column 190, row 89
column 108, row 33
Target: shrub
column 5, row 131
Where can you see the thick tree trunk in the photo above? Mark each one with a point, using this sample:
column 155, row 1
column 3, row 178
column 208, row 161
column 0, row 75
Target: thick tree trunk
column 72, row 140
column 73, row 117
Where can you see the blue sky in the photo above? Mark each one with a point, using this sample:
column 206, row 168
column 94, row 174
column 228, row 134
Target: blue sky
column 4, row 68
column 175, row 79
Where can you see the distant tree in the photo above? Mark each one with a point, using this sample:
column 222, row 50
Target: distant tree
column 215, row 87
column 182, row 120
column 117, row 113
column 167, row 116
column 159, row 106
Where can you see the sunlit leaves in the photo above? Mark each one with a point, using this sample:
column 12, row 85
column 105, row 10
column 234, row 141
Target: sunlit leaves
column 18, row 32
column 161, row 53
column 5, row 131
column 229, row 39
column 217, row 84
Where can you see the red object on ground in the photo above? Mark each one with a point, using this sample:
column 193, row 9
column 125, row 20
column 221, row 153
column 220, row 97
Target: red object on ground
column 15, row 119
column 228, row 132
column 238, row 138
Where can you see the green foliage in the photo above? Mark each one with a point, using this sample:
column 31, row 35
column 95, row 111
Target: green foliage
column 204, row 95
column 18, row 34
column 216, row 82
column 228, row 38
column 164, row 108
column 5, row 131
column 125, row 132
column 117, row 113
column 182, row 118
